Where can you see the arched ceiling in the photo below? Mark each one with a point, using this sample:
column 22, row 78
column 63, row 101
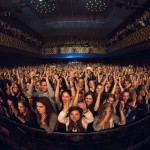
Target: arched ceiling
column 71, row 17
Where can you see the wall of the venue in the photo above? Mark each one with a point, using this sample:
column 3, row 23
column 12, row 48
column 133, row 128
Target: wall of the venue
column 11, row 60
column 137, row 57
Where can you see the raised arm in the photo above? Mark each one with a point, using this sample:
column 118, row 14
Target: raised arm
column 86, row 82
column 105, row 80
column 119, row 83
column 62, row 117
column 98, row 100
column 115, row 84
column 72, row 84
column 49, row 87
column 57, row 94
column 122, row 116
column 88, row 116
column 66, row 81
column 31, row 87
column 76, row 99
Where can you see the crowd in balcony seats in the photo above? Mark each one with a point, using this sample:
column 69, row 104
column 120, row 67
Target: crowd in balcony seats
column 75, row 98
column 63, row 47
column 14, row 43
column 12, row 30
column 133, row 26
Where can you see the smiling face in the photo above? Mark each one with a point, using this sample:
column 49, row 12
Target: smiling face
column 75, row 115
column 80, row 83
column 41, row 108
column 110, row 100
column 126, row 96
column 99, row 88
column 44, row 86
column 91, row 84
column 117, row 89
column 88, row 100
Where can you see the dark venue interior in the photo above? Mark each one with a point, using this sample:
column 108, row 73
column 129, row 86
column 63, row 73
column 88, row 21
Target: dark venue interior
column 76, row 33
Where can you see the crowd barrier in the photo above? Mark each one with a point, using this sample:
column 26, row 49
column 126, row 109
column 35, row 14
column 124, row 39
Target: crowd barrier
column 127, row 137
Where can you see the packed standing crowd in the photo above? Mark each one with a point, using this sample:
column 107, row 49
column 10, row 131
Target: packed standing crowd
column 75, row 98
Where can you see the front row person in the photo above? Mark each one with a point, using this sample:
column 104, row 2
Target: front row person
column 106, row 117
column 46, row 116
column 77, row 118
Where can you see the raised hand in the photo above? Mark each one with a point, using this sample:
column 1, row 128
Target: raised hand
column 56, row 77
column 72, row 74
column 147, row 97
column 82, row 105
column 67, row 106
column 121, row 108
column 15, row 111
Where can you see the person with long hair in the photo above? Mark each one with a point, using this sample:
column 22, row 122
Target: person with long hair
column 89, row 99
column 46, row 116
column 25, row 115
column 73, row 117
column 106, row 117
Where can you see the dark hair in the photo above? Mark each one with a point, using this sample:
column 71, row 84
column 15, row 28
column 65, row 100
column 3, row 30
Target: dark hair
column 25, row 103
column 93, row 97
column 75, row 108
column 49, row 109
column 75, row 125
column 110, row 95
column 139, row 88
column 12, row 99
column 121, row 96
column 43, row 80
column 66, row 91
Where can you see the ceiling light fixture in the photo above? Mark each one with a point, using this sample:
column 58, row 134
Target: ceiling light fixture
column 45, row 6
column 96, row 6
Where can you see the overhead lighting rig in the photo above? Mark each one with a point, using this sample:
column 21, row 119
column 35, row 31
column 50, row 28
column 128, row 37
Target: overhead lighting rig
column 41, row 6
column 45, row 6
column 96, row 6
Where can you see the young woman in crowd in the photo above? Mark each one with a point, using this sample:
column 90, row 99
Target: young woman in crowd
column 12, row 109
column 106, row 117
column 64, row 97
column 103, row 80
column 46, row 116
column 73, row 117
column 25, row 115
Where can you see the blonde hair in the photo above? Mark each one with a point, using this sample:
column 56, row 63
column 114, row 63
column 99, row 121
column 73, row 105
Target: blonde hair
column 103, row 107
